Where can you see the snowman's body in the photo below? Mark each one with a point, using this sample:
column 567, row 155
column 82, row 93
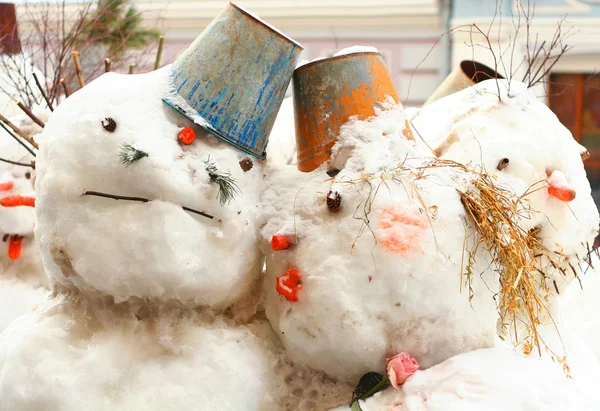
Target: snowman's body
column 382, row 274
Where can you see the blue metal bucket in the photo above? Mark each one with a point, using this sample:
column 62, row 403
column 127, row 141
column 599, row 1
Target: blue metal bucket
column 233, row 78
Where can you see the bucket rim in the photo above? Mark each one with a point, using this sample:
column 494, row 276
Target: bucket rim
column 265, row 24
column 212, row 130
column 342, row 57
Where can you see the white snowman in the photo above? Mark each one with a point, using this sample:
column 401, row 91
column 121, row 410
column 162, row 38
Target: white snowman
column 23, row 283
column 368, row 263
column 518, row 139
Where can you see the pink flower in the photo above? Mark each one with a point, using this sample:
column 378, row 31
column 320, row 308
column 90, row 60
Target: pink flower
column 400, row 367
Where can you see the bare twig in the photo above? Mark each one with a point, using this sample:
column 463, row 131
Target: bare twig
column 161, row 41
column 65, row 88
column 16, row 163
column 32, row 116
column 141, row 199
column 37, row 82
column 107, row 64
column 78, row 69
column 18, row 131
column 132, row 68
column 10, row 133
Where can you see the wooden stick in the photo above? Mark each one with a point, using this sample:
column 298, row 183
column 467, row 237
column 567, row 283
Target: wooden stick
column 32, row 116
column 107, row 64
column 131, row 68
column 78, row 69
column 18, row 131
column 37, row 81
column 65, row 88
column 142, row 200
column 16, row 163
column 161, row 41
column 10, row 133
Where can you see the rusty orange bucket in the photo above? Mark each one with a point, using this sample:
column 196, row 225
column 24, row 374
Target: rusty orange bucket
column 328, row 92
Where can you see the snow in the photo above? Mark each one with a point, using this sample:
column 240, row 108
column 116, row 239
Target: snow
column 363, row 288
column 18, row 298
column 356, row 49
column 491, row 379
column 153, row 249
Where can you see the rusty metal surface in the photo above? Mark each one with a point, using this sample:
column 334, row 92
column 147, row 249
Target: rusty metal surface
column 328, row 92
column 9, row 35
column 234, row 76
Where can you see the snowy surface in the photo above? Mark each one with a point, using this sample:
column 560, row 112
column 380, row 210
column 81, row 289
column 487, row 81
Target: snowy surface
column 356, row 49
column 18, row 297
column 492, row 379
column 372, row 291
column 153, row 249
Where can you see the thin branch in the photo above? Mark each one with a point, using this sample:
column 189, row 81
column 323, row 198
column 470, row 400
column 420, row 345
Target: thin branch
column 18, row 131
column 10, row 133
column 78, row 69
column 16, row 163
column 161, row 41
column 65, row 88
column 143, row 200
column 32, row 116
column 37, row 82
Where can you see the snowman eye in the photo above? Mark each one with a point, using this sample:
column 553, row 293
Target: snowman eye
column 502, row 164
column 109, row 124
column 28, row 175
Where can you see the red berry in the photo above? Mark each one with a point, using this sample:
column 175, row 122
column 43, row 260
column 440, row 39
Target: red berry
column 279, row 242
column 187, row 135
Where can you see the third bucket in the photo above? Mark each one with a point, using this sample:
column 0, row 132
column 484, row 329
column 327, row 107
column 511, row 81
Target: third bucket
column 328, row 92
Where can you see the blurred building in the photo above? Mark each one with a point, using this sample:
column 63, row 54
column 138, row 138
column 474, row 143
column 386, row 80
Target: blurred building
column 572, row 86
column 403, row 30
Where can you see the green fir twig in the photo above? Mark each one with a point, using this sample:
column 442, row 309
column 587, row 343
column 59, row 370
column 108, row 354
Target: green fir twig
column 129, row 154
column 228, row 188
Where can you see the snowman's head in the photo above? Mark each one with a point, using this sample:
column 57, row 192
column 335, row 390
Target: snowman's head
column 118, row 142
column 519, row 139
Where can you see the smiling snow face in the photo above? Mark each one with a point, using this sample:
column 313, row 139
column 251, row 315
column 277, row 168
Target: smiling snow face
column 117, row 137
column 521, row 141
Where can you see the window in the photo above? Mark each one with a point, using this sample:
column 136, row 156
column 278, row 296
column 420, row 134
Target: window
column 575, row 98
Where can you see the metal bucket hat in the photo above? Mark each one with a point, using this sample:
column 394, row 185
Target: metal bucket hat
column 232, row 79
column 468, row 73
column 328, row 92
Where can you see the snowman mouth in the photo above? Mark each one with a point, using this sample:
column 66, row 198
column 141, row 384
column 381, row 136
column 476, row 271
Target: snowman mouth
column 142, row 200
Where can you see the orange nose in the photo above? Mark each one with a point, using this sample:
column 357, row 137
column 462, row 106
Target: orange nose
column 565, row 194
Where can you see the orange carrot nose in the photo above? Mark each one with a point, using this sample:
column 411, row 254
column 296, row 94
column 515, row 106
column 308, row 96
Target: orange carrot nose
column 565, row 194
column 14, row 247
column 560, row 188
column 6, row 186
column 17, row 200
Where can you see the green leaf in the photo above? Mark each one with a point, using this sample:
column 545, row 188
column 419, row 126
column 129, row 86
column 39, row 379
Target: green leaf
column 355, row 406
column 369, row 384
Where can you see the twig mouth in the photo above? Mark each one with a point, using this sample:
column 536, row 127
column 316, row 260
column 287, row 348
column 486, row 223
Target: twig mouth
column 141, row 200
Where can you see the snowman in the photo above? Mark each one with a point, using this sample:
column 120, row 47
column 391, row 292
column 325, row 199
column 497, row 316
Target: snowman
column 147, row 225
column 22, row 279
column 518, row 139
column 365, row 252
